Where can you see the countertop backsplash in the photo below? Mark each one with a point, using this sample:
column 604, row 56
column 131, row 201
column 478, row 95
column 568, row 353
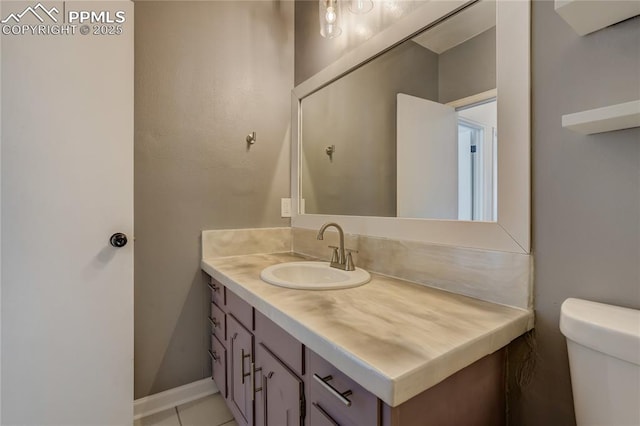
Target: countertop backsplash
column 499, row 277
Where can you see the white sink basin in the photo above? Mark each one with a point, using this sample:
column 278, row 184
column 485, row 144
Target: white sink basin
column 313, row 276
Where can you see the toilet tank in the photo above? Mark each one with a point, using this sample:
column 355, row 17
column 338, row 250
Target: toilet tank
column 603, row 342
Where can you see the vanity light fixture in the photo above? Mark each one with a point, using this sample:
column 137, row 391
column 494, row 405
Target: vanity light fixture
column 360, row 7
column 330, row 17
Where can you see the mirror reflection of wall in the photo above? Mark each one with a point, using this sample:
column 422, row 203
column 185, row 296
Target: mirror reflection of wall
column 369, row 172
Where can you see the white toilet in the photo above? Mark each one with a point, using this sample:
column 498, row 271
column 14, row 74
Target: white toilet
column 604, row 358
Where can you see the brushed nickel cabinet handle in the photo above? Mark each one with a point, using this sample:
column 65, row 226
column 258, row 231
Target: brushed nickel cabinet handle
column 265, row 380
column 214, row 287
column 254, row 370
column 342, row 396
column 242, row 365
column 214, row 356
column 213, row 322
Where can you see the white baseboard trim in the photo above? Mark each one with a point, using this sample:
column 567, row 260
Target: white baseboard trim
column 173, row 397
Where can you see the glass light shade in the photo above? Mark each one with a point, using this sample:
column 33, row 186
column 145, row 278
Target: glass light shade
column 330, row 18
column 360, row 7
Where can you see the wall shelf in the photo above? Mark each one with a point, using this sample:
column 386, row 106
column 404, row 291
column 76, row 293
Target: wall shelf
column 587, row 16
column 606, row 119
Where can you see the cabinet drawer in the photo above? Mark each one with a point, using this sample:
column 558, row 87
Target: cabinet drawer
column 218, row 321
column 240, row 309
column 218, row 356
column 337, row 397
column 282, row 344
column 217, row 292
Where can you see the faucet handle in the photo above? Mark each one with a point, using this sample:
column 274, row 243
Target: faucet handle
column 334, row 254
column 349, row 265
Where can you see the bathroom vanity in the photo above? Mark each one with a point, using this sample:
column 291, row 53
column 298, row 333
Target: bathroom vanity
column 390, row 353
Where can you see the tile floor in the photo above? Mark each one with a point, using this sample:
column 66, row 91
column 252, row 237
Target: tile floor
column 208, row 411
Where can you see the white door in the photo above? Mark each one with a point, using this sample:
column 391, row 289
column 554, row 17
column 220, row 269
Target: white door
column 67, row 186
column 427, row 159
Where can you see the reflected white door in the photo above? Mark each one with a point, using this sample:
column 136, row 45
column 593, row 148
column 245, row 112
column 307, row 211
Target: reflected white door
column 67, row 186
column 427, row 159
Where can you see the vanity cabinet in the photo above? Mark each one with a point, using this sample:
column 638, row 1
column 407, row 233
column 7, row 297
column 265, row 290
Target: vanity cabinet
column 268, row 378
column 255, row 364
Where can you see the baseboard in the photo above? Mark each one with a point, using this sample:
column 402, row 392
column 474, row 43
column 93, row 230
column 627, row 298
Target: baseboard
column 173, row 397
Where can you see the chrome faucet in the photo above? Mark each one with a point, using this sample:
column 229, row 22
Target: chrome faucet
column 339, row 259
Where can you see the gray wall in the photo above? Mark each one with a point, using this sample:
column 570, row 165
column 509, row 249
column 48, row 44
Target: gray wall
column 586, row 193
column 468, row 68
column 206, row 74
column 357, row 113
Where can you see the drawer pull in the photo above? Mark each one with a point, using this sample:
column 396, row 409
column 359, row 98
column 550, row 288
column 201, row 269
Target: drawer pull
column 213, row 322
column 214, row 356
column 342, row 396
column 214, row 287
column 325, row 414
column 254, row 370
column 242, row 365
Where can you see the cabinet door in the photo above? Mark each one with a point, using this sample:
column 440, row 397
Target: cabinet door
column 240, row 365
column 281, row 395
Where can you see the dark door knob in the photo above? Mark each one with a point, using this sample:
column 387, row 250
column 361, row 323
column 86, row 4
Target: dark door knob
column 118, row 240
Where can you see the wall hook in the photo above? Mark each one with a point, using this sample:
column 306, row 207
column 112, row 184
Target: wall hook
column 330, row 150
column 251, row 138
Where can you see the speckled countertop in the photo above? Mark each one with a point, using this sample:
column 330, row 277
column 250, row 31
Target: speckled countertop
column 393, row 337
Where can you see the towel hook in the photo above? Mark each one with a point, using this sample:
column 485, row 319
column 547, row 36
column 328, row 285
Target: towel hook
column 251, row 138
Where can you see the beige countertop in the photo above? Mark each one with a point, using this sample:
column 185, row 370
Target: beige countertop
column 394, row 337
